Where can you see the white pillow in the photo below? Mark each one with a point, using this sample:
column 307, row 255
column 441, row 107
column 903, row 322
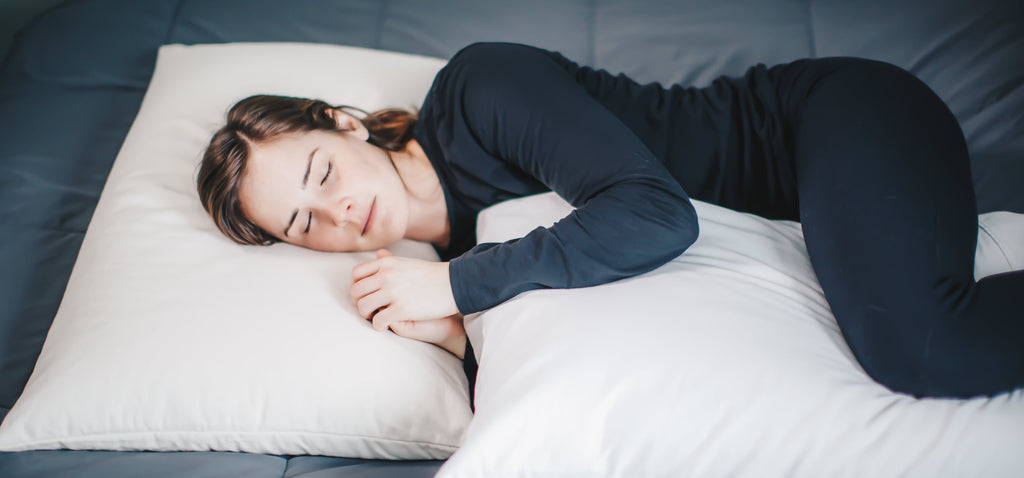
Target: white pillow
column 172, row 337
column 724, row 362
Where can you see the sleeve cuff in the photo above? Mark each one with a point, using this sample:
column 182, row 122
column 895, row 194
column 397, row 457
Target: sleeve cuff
column 459, row 293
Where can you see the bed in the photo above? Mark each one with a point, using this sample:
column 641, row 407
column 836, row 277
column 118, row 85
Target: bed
column 74, row 81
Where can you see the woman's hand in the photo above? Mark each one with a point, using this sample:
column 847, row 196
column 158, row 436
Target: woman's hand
column 392, row 289
column 446, row 333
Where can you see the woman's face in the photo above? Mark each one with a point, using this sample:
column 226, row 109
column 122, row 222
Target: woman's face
column 329, row 191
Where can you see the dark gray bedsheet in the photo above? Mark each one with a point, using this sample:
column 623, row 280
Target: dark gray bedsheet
column 106, row 464
column 74, row 80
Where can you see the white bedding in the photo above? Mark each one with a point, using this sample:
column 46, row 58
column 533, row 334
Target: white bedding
column 724, row 362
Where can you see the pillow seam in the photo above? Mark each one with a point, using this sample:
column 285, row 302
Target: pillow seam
column 93, row 436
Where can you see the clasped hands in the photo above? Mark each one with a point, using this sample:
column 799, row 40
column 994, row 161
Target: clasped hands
column 412, row 297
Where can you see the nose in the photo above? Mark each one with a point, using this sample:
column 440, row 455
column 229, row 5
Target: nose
column 340, row 210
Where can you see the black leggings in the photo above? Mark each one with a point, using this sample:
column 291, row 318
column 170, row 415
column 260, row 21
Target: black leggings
column 885, row 198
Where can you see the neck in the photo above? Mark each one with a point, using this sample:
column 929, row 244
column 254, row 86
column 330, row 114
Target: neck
column 428, row 212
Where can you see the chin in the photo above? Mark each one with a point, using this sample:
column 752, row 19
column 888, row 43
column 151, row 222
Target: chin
column 385, row 244
column 332, row 247
column 327, row 249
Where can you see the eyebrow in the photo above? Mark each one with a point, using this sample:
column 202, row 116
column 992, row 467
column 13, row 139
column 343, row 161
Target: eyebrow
column 305, row 179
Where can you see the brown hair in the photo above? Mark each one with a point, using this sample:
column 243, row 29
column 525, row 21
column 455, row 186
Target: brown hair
column 265, row 117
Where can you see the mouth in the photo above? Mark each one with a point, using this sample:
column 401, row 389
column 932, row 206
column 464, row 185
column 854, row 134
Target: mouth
column 369, row 216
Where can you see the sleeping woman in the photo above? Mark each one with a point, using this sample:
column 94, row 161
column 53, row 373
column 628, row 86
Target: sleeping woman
column 869, row 160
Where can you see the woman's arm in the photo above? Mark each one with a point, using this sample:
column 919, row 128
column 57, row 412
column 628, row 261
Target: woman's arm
column 519, row 104
column 510, row 115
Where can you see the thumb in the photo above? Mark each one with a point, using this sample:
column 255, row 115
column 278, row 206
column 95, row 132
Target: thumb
column 402, row 327
column 409, row 329
column 382, row 319
column 382, row 253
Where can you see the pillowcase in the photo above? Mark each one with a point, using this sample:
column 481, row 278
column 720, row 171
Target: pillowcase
column 724, row 362
column 172, row 337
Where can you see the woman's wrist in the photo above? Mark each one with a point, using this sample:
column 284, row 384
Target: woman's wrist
column 456, row 345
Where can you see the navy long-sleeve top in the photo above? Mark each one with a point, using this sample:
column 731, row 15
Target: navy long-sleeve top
column 503, row 121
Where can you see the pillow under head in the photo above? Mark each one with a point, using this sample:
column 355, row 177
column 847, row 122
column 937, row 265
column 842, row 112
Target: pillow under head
column 172, row 337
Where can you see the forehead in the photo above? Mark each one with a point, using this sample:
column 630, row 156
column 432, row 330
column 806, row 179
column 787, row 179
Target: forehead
column 273, row 174
column 283, row 149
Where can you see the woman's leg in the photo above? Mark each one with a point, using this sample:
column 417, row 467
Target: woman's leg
column 889, row 217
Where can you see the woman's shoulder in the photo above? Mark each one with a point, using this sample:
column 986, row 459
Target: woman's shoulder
column 502, row 62
column 488, row 52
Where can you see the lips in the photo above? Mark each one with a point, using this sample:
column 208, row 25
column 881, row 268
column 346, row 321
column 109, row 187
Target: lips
column 369, row 216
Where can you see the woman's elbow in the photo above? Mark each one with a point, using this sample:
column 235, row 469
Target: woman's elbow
column 690, row 227
column 682, row 230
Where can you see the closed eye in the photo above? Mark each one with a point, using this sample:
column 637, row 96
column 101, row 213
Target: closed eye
column 309, row 221
column 329, row 167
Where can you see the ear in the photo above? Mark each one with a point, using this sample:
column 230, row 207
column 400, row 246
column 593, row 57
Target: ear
column 349, row 124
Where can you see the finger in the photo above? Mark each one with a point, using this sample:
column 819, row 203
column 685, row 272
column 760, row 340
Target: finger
column 382, row 253
column 410, row 330
column 365, row 269
column 364, row 287
column 383, row 319
column 370, row 303
column 405, row 328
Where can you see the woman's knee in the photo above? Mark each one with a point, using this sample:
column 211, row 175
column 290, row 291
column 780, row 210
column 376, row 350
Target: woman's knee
column 888, row 87
column 866, row 70
column 870, row 110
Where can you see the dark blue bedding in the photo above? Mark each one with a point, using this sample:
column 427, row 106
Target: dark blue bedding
column 72, row 85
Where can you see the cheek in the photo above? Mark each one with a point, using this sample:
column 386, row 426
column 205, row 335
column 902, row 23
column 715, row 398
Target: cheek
column 398, row 218
column 341, row 239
